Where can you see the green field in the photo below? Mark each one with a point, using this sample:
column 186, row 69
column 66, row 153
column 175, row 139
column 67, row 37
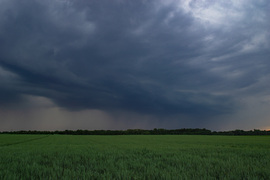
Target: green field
column 134, row 157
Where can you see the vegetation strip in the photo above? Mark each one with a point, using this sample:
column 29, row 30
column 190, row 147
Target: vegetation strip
column 155, row 131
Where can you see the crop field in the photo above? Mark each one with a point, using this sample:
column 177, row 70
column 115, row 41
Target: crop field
column 134, row 157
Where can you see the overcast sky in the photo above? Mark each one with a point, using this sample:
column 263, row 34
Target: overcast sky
column 119, row 64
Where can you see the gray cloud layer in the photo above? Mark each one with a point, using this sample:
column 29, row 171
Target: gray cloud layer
column 173, row 58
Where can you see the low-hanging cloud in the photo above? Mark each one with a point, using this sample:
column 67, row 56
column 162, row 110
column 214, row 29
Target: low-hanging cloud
column 189, row 59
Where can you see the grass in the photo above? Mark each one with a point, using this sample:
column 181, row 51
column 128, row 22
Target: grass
column 134, row 157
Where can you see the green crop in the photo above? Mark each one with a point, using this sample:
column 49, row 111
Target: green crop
column 134, row 157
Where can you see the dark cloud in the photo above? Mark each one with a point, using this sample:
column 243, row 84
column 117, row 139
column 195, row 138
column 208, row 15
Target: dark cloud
column 147, row 57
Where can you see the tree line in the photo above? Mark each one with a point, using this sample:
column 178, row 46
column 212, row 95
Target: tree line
column 184, row 131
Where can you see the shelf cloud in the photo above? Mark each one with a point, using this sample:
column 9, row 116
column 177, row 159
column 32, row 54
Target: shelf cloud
column 134, row 64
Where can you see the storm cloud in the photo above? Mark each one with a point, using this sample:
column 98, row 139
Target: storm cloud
column 175, row 63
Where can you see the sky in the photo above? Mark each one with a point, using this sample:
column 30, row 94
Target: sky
column 125, row 64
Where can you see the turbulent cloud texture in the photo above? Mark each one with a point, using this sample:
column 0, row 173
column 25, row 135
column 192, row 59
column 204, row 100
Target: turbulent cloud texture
column 143, row 64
